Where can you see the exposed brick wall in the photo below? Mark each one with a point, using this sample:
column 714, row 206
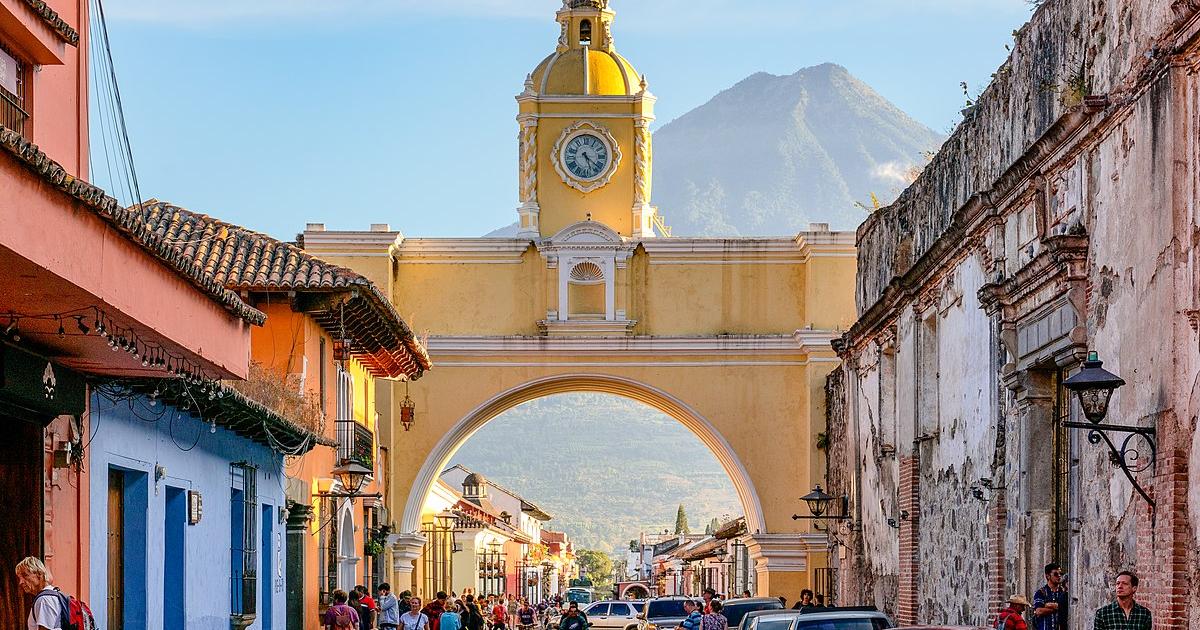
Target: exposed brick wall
column 910, row 501
column 1163, row 535
column 997, row 581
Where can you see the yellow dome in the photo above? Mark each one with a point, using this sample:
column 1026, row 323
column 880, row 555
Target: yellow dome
column 607, row 74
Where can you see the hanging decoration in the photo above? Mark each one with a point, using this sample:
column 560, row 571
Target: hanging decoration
column 408, row 409
column 95, row 322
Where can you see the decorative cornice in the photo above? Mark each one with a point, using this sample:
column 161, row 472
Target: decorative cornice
column 800, row 342
column 60, row 27
column 462, row 250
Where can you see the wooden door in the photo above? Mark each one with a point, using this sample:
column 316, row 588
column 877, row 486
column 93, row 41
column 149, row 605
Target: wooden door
column 21, row 518
column 116, row 550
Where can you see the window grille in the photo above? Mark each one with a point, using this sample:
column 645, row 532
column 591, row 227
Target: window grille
column 327, row 558
column 12, row 101
column 243, row 538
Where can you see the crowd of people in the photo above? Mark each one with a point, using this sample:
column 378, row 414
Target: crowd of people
column 357, row 610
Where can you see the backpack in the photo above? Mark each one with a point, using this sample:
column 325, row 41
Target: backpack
column 1002, row 620
column 73, row 614
column 342, row 619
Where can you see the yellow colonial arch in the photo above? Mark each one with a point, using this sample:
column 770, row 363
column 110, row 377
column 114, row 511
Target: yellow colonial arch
column 566, row 383
column 729, row 336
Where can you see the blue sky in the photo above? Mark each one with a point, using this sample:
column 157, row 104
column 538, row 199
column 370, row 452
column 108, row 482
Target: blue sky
column 274, row 113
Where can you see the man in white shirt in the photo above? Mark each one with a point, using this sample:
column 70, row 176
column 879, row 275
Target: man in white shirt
column 34, row 578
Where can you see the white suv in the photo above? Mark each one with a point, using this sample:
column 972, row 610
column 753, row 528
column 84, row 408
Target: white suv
column 613, row 615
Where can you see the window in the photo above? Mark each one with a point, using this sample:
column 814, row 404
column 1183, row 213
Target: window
column 346, row 426
column 598, row 610
column 585, row 33
column 12, row 91
column 620, row 610
column 243, row 534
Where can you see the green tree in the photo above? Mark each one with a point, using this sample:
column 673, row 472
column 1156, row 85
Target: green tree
column 681, row 524
column 598, row 567
column 713, row 526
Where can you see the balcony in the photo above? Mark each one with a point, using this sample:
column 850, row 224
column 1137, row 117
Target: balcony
column 356, row 443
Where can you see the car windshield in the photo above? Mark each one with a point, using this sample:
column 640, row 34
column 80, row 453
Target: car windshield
column 842, row 624
column 735, row 612
column 774, row 623
column 666, row 608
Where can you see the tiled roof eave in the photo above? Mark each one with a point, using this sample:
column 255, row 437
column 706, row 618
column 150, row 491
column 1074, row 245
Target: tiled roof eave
column 125, row 221
column 52, row 19
column 236, row 412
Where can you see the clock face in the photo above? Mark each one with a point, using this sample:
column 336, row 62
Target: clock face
column 586, row 156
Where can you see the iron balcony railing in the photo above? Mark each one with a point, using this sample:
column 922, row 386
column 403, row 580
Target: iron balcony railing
column 356, row 443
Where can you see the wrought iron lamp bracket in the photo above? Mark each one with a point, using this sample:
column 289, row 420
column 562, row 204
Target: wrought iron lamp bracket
column 1127, row 457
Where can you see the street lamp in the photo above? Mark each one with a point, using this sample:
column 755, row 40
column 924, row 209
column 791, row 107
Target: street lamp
column 1093, row 387
column 351, row 475
column 818, row 502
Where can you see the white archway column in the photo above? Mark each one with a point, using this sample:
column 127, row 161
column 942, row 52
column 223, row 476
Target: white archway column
column 782, row 562
column 406, row 550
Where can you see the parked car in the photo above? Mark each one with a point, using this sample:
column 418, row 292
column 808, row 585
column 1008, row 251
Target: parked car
column 846, row 618
column 735, row 609
column 769, row 619
column 663, row 613
column 612, row 614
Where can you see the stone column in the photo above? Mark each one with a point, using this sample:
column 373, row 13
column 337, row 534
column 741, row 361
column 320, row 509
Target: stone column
column 406, row 549
column 643, row 212
column 780, row 563
column 298, row 518
column 529, row 210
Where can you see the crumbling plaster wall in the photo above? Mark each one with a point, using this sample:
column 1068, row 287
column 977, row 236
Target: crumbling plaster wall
column 1128, row 182
column 1109, row 39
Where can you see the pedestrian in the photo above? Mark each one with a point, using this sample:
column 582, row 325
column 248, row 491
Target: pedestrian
column 805, row 601
column 35, row 579
column 355, row 602
column 1125, row 613
column 499, row 615
column 714, row 620
column 414, row 619
column 434, row 610
column 526, row 615
column 389, row 608
column 573, row 619
column 368, row 610
column 1012, row 617
column 783, row 601
column 820, row 600
column 402, row 601
column 340, row 616
column 709, row 594
column 746, row 593
column 473, row 618
column 692, row 610
column 1050, row 601
column 512, row 611
column 451, row 619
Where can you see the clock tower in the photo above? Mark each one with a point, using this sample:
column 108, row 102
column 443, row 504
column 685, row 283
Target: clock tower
column 585, row 149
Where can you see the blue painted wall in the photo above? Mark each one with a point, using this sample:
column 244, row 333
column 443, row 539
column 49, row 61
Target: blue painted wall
column 137, row 440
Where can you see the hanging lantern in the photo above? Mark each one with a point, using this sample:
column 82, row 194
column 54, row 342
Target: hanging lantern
column 341, row 348
column 408, row 410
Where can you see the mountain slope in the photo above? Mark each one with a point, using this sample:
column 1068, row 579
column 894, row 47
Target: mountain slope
column 605, row 467
column 772, row 153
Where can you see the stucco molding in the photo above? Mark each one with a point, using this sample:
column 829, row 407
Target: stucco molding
column 796, row 344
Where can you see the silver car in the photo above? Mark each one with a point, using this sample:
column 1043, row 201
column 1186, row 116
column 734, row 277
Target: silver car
column 613, row 615
column 819, row 619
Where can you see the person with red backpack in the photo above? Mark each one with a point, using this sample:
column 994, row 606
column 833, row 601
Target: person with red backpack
column 52, row 609
column 1013, row 617
column 340, row 616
